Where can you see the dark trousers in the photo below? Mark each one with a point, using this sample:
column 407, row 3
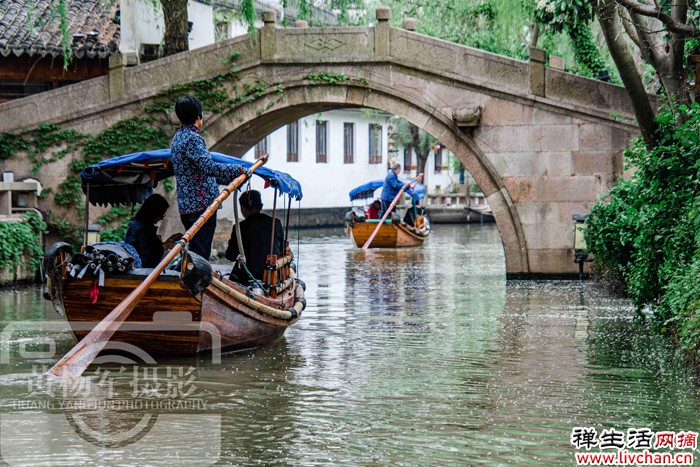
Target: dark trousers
column 385, row 208
column 202, row 240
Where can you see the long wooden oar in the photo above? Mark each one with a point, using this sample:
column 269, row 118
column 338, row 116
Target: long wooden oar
column 79, row 358
column 391, row 206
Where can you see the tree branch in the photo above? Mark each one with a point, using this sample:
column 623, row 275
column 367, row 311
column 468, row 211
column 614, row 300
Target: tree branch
column 649, row 40
column 629, row 27
column 608, row 18
column 657, row 12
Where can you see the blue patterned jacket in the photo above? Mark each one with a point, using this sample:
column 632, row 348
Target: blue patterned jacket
column 197, row 176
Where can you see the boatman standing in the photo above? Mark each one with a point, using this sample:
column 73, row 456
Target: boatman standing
column 392, row 186
column 197, row 176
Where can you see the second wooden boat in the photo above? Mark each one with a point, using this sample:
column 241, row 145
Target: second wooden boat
column 389, row 235
column 392, row 233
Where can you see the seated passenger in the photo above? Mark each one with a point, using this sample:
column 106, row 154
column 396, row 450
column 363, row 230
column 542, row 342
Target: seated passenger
column 374, row 208
column 141, row 233
column 415, row 215
column 256, row 230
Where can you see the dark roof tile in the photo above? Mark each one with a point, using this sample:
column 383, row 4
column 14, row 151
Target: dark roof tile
column 32, row 27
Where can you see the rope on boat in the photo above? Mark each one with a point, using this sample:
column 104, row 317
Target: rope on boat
column 287, row 315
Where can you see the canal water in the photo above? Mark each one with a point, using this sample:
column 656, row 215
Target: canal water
column 420, row 356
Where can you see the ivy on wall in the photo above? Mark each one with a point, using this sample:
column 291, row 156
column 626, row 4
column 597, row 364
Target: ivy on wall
column 333, row 78
column 20, row 242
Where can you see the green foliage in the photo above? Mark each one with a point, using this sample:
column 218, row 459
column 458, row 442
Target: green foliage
column 646, row 232
column 45, row 140
column 681, row 303
column 10, row 143
column 127, row 136
column 586, row 51
column 329, row 78
column 558, row 15
column 22, row 239
column 402, row 134
column 574, row 18
column 249, row 15
column 70, row 232
column 334, row 78
column 497, row 26
column 220, row 94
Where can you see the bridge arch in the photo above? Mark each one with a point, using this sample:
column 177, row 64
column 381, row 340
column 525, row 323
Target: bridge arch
column 236, row 131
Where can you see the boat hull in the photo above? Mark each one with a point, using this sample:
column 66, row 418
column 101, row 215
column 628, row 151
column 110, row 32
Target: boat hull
column 459, row 214
column 168, row 320
column 388, row 236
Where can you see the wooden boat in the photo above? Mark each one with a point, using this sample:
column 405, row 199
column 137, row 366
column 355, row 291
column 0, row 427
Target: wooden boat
column 188, row 309
column 389, row 235
column 171, row 320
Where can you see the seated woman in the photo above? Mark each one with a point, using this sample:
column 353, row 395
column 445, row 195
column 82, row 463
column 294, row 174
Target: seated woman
column 141, row 233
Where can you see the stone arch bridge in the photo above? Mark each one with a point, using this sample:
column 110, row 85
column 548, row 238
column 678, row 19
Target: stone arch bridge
column 541, row 143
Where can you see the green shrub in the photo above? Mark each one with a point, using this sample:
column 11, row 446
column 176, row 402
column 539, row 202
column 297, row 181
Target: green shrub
column 22, row 239
column 645, row 229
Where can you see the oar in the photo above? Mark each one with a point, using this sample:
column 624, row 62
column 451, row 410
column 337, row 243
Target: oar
column 79, row 358
column 391, row 206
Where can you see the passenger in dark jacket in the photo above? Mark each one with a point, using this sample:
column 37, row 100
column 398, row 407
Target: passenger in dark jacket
column 141, row 233
column 392, row 186
column 414, row 213
column 197, row 176
column 256, row 230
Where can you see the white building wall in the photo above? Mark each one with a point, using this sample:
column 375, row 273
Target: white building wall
column 431, row 179
column 202, row 18
column 142, row 23
column 324, row 184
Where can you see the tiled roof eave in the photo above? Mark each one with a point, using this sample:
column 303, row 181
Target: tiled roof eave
column 19, row 38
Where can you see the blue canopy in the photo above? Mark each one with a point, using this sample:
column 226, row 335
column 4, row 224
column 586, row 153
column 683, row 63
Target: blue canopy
column 131, row 178
column 367, row 190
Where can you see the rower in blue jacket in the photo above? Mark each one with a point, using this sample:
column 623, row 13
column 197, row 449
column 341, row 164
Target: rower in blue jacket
column 392, row 186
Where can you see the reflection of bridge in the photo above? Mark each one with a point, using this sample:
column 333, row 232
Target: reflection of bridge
column 541, row 143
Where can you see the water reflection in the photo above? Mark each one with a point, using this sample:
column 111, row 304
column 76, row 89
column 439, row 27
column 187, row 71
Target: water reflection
column 419, row 357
